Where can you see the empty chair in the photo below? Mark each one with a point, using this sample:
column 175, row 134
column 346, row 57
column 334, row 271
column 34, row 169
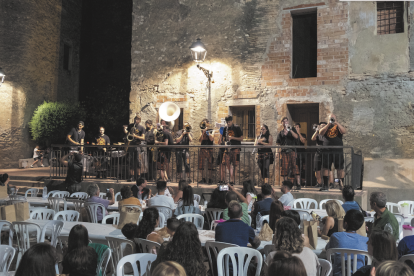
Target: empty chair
column 411, row 203
column 144, row 260
column 325, row 268
column 118, row 246
column 345, row 262
column 22, row 230
column 261, row 221
column 322, row 202
column 147, row 246
column 102, row 195
column 61, row 194
column 80, row 195
column 52, row 229
column 305, row 203
column 213, row 248
column 212, row 215
column 239, row 258
column 77, row 203
column 197, row 220
column 8, row 225
column 42, row 214
column 93, row 209
column 54, row 203
column 114, row 217
column 250, row 220
column 400, row 220
column 6, row 257
column 118, row 194
column 49, row 194
column 197, row 198
column 68, row 215
column 103, row 263
column 391, row 207
column 33, row 192
column 165, row 210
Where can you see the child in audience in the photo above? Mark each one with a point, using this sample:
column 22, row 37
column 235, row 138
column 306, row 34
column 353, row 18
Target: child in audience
column 392, row 268
column 169, row 268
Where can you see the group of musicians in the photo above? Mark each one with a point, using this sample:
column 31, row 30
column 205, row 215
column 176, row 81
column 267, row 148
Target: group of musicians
column 291, row 159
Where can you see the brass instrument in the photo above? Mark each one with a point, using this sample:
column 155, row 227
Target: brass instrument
column 187, row 127
column 130, row 136
column 204, row 125
column 260, row 136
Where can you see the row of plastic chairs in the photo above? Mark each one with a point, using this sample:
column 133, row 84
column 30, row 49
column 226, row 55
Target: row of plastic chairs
column 306, row 203
column 49, row 214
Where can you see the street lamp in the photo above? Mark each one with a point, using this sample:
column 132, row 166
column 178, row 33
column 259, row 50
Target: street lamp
column 2, row 76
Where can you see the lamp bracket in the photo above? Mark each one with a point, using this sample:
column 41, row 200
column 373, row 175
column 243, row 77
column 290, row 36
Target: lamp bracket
column 206, row 72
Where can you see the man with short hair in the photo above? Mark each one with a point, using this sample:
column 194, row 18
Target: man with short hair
column 138, row 133
column 348, row 195
column 234, row 195
column 235, row 231
column 150, row 140
column 206, row 155
column 76, row 136
column 161, row 199
column 233, row 135
column 384, row 219
column 184, row 137
column 93, row 192
column 301, row 154
column 287, row 196
column 100, row 160
column 263, row 207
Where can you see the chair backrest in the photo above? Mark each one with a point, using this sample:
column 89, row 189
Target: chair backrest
column 17, row 197
column 165, row 210
column 266, row 251
column 80, row 195
column 250, row 220
column 322, row 202
column 400, row 220
column 346, row 265
column 92, row 208
column 408, row 257
column 33, row 192
column 115, row 218
column 239, row 258
column 213, row 248
column 325, row 268
column 7, row 224
column 116, row 196
column 162, row 221
column 369, row 219
column 305, row 203
column 6, row 257
column 144, row 260
column 52, row 229
column 197, row 198
column 147, row 246
column 118, row 246
column 102, row 195
column 198, row 220
column 54, row 203
column 42, row 214
column 61, row 194
column 49, row 194
column 103, row 263
column 68, row 215
column 261, row 221
column 391, row 206
column 410, row 202
column 213, row 214
column 77, row 203
column 22, row 230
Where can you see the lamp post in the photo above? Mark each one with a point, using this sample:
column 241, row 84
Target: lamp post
column 199, row 52
column 2, row 76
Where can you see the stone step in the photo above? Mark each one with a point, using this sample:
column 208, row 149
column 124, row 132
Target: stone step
column 27, row 183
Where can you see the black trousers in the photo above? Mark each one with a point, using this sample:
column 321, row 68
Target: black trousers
column 181, row 156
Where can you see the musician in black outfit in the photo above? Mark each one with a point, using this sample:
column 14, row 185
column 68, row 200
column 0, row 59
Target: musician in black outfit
column 100, row 159
column 164, row 153
column 184, row 137
column 150, row 140
column 135, row 153
column 317, row 159
column 265, row 155
column 76, row 136
column 301, row 152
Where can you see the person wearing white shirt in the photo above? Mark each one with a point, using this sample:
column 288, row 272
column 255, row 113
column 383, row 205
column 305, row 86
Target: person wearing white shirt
column 287, row 197
column 161, row 199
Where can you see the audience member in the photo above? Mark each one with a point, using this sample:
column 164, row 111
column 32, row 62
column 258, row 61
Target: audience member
column 179, row 194
column 296, row 217
column 93, row 192
column 187, row 205
column 127, row 197
column 287, row 196
column 384, row 219
column 160, row 199
column 218, row 199
column 349, row 239
column 263, row 207
column 276, row 209
column 4, row 181
column 73, row 178
column 169, row 269
column 249, row 192
column 330, row 223
column 283, row 263
column 38, row 260
column 234, row 195
column 172, row 226
column 348, row 194
column 78, row 237
column 288, row 237
column 406, row 246
column 81, row 262
column 392, row 268
column 147, row 225
column 130, row 230
column 185, row 249
column 234, row 230
column 382, row 247
column 140, row 190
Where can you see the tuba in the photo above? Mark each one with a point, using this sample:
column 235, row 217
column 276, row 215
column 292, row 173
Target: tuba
column 169, row 112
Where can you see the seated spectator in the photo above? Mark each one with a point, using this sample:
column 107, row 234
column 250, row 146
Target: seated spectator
column 263, row 207
column 187, row 204
column 147, row 225
column 179, row 193
column 349, row 239
column 287, row 196
column 330, row 223
column 234, row 230
column 160, row 199
column 236, row 196
column 218, row 199
column 81, row 262
column 140, row 190
column 384, row 219
column 4, row 181
column 172, row 226
column 250, row 193
column 392, row 268
column 169, row 269
column 93, row 192
column 276, row 209
column 348, row 194
column 38, row 260
column 288, row 237
column 296, row 217
column 382, row 247
column 130, row 230
column 127, row 198
column 283, row 263
column 185, row 249
column 406, row 246
column 73, row 180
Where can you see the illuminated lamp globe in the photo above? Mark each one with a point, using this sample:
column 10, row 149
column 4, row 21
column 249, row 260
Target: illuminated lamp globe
column 2, row 76
column 198, row 51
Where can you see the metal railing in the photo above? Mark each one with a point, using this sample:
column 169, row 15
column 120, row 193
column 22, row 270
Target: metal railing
column 116, row 164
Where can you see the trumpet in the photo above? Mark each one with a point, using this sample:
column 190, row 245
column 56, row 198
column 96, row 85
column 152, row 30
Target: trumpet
column 204, row 125
column 254, row 150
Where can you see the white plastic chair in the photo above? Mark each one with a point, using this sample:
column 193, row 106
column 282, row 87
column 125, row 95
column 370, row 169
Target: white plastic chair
column 92, row 208
column 116, row 196
column 391, row 205
column 261, row 221
column 118, row 246
column 369, row 219
column 68, row 215
column 77, row 203
column 250, row 220
column 165, row 210
column 80, row 195
column 198, row 220
column 345, row 251
column 325, row 268
column 42, row 214
column 6, row 257
column 8, row 224
column 61, row 194
column 33, row 192
column 49, row 194
column 266, row 251
column 322, row 202
column 197, row 198
column 114, row 216
column 212, row 215
column 144, row 260
column 400, row 220
column 146, row 246
column 240, row 259
column 56, row 227
column 102, row 195
column 408, row 257
column 22, row 230
column 17, row 197
column 103, row 263
column 410, row 202
column 213, row 247
column 54, row 203
column 162, row 221
column 305, row 203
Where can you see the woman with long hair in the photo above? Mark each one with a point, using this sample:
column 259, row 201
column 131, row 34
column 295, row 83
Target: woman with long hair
column 218, row 199
column 146, row 227
column 179, row 194
column 249, row 192
column 265, row 155
column 276, row 210
column 39, row 260
column 78, row 237
column 187, row 205
column 81, row 262
column 288, row 237
column 185, row 249
column 330, row 223
column 285, row 264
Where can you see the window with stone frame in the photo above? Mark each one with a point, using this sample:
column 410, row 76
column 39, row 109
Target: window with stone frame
column 245, row 117
column 390, row 17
